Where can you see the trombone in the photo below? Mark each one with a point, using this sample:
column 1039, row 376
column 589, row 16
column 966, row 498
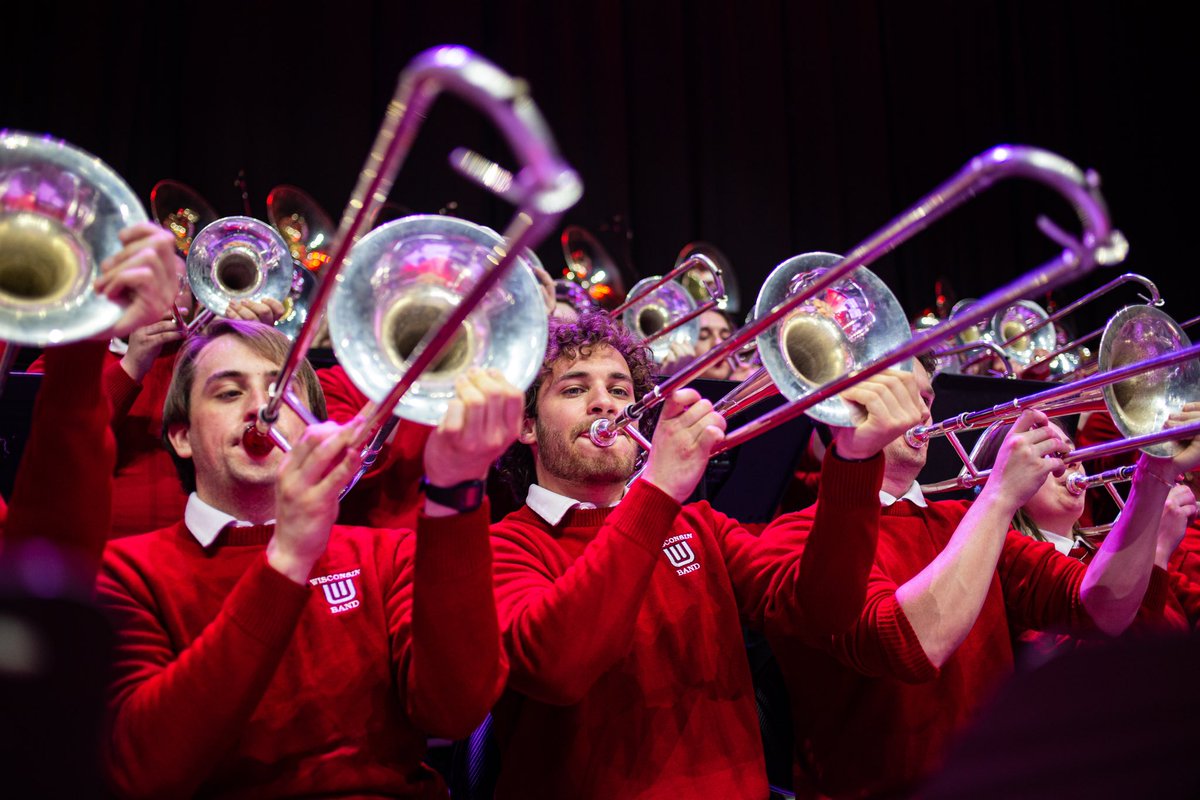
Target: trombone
column 1156, row 373
column 661, row 310
column 61, row 210
column 1030, row 364
column 1099, row 244
column 543, row 190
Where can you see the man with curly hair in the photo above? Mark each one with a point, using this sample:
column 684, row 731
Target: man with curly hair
column 621, row 610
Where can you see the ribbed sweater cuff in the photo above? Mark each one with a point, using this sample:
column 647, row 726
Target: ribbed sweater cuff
column 121, row 389
column 645, row 515
column 850, row 482
column 266, row 604
column 909, row 658
column 1157, row 590
column 450, row 547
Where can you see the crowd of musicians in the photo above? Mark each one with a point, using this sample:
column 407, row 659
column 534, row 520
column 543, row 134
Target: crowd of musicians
column 271, row 641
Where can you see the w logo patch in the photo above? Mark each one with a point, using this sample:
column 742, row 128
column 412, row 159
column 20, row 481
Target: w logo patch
column 679, row 554
column 340, row 591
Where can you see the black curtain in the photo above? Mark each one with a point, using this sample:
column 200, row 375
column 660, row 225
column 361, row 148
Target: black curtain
column 768, row 128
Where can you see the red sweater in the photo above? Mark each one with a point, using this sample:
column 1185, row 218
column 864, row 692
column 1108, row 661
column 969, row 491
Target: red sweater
column 872, row 713
column 146, row 492
column 623, row 627
column 70, row 446
column 388, row 496
column 230, row 680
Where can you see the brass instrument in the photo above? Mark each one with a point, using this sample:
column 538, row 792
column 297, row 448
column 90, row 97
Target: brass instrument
column 1148, row 370
column 590, row 266
column 180, row 209
column 543, row 189
column 237, row 258
column 306, row 228
column 700, row 280
column 661, row 311
column 1099, row 244
column 61, row 210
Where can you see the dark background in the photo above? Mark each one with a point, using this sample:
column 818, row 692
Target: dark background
column 766, row 128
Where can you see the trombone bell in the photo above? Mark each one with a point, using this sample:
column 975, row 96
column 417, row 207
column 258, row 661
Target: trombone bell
column 1141, row 404
column 41, row 261
column 61, row 212
column 399, row 283
column 849, row 324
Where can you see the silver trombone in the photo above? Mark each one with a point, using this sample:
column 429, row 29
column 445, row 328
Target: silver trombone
column 1099, row 244
column 544, row 188
column 1153, row 298
column 61, row 210
column 1155, row 373
column 661, row 310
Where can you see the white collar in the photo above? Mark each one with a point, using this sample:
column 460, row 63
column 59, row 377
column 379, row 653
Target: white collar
column 552, row 506
column 205, row 523
column 914, row 495
column 1062, row 544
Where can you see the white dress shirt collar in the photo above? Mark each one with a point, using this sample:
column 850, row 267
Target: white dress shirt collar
column 206, row 523
column 1062, row 544
column 914, row 494
column 552, row 506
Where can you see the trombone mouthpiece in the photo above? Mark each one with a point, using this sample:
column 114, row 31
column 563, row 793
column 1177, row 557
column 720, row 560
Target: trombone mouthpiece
column 602, row 433
column 257, row 443
column 916, row 438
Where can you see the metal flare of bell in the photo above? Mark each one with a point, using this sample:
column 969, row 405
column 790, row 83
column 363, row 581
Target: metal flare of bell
column 396, row 286
column 61, row 210
column 1014, row 321
column 698, row 280
column 305, row 226
column 238, row 258
column 657, row 310
column 589, row 264
column 297, row 303
column 847, row 325
column 1141, row 404
column 182, row 210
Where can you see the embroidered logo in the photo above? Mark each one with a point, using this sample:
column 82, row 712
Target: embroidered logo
column 679, row 552
column 339, row 589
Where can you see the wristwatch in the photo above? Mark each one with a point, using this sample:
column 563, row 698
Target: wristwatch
column 462, row 497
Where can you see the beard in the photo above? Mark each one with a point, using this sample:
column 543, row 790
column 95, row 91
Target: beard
column 558, row 456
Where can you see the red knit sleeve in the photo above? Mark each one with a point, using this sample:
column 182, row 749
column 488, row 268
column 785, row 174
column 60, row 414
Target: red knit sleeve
column 450, row 664
column 172, row 717
column 343, row 401
column 808, row 570
column 1041, row 588
column 881, row 642
column 1186, row 593
column 63, row 489
column 121, row 389
column 563, row 631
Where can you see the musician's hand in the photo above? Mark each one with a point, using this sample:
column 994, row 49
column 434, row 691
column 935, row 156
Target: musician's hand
column 481, row 422
column 266, row 311
column 889, row 404
column 146, row 343
column 687, row 431
column 144, row 276
column 1189, row 458
column 311, row 477
column 546, row 285
column 1179, row 508
column 1031, row 452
